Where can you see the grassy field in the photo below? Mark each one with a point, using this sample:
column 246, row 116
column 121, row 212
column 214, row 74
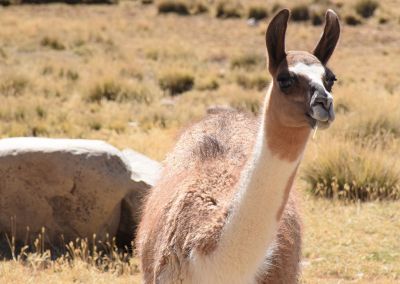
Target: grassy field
column 133, row 77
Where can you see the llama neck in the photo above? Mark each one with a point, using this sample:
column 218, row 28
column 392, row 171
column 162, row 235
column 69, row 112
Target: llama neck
column 263, row 191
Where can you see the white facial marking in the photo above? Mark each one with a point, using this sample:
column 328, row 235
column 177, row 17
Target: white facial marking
column 314, row 72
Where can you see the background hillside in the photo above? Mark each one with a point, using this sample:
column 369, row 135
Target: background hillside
column 135, row 73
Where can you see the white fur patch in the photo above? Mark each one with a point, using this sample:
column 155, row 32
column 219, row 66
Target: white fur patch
column 314, row 72
column 248, row 236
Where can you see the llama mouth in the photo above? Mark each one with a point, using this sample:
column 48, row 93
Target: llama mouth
column 320, row 117
column 320, row 124
column 317, row 123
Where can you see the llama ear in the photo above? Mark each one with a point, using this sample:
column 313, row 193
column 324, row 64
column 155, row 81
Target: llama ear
column 275, row 39
column 329, row 38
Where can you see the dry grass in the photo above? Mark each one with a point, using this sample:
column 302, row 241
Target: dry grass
column 350, row 244
column 94, row 72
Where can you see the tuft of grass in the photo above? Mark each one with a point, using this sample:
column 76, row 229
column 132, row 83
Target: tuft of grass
column 3, row 53
column 52, row 43
column 247, row 61
column 348, row 172
column 101, row 255
column 41, row 112
column 199, row 8
column 6, row 3
column 383, row 20
column 72, row 75
column 176, row 82
column 113, row 90
column 13, row 85
column 317, row 18
column 170, row 6
column 147, row 2
column 375, row 125
column 352, row 20
column 247, row 101
column 229, row 9
column 300, row 13
column 109, row 90
column 258, row 82
column 257, row 12
column 366, row 8
column 208, row 84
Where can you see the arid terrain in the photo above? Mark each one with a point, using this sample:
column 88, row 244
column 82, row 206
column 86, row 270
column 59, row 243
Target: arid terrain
column 134, row 77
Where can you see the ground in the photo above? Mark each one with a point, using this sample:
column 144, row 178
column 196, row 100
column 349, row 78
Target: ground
column 115, row 73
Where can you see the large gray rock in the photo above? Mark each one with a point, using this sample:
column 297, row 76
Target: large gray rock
column 73, row 188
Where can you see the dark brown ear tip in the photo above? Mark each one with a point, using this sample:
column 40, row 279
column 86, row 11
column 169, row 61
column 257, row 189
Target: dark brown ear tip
column 331, row 15
column 284, row 13
column 280, row 19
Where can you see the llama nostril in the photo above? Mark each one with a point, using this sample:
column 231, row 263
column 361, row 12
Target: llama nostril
column 328, row 102
column 324, row 99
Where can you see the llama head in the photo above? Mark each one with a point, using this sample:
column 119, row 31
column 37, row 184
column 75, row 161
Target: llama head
column 302, row 84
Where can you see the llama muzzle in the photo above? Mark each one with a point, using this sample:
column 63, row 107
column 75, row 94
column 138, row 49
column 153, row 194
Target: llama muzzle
column 321, row 109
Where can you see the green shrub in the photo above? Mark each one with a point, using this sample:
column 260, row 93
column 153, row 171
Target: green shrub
column 300, row 13
column 257, row 13
column 345, row 171
column 366, row 8
column 247, row 61
column 170, row 6
column 52, row 43
column 228, row 9
column 176, row 82
column 352, row 20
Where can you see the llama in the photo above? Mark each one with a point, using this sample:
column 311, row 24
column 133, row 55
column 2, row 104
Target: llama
column 223, row 210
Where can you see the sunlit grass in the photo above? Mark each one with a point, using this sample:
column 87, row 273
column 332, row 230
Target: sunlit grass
column 108, row 72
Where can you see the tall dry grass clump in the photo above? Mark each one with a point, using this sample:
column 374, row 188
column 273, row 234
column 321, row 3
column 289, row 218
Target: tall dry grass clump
column 120, row 91
column 13, row 85
column 171, row 6
column 300, row 13
column 101, row 255
column 347, row 171
column 366, row 8
column 176, row 82
column 229, row 9
column 257, row 12
column 247, row 61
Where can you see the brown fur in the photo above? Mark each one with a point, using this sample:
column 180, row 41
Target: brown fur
column 209, row 191
column 330, row 37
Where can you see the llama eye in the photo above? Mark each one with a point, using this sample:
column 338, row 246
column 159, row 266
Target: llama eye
column 285, row 81
column 331, row 79
column 329, row 82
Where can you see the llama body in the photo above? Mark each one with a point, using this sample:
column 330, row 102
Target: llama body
column 218, row 170
column 223, row 210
